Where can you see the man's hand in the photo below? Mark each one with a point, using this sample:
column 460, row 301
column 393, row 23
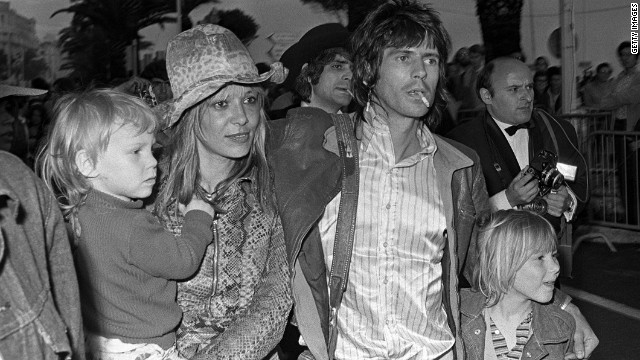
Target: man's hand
column 558, row 201
column 522, row 189
column 585, row 340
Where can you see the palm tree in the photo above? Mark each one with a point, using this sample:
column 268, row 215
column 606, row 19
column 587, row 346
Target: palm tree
column 239, row 23
column 96, row 40
column 356, row 10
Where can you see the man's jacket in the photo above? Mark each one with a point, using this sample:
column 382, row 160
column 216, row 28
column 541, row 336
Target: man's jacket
column 308, row 176
column 39, row 298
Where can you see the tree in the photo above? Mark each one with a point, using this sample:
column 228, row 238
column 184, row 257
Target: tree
column 356, row 10
column 4, row 73
column 500, row 24
column 239, row 23
column 34, row 65
column 101, row 30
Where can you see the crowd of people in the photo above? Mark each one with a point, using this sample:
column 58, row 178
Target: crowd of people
column 169, row 218
column 597, row 90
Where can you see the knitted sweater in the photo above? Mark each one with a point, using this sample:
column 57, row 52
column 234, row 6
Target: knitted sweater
column 127, row 266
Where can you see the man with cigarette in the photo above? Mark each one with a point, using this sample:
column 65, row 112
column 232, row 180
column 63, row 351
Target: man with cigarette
column 378, row 212
column 510, row 136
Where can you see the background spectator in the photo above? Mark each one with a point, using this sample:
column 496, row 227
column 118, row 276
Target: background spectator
column 599, row 87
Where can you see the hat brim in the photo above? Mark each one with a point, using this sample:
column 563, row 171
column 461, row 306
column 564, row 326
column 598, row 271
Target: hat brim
column 316, row 40
column 9, row 90
column 207, row 87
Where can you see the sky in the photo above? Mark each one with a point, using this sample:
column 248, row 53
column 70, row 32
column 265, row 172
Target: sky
column 268, row 15
column 600, row 25
column 42, row 10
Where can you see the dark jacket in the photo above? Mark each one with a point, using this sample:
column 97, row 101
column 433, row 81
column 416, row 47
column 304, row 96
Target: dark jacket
column 552, row 327
column 485, row 137
column 543, row 101
column 308, row 177
column 39, row 298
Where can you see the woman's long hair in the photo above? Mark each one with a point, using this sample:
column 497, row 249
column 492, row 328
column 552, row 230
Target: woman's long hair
column 181, row 163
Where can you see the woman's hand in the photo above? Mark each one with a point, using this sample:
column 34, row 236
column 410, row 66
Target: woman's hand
column 197, row 204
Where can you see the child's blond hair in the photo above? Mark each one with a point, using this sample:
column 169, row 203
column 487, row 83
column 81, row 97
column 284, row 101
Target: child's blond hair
column 506, row 240
column 85, row 122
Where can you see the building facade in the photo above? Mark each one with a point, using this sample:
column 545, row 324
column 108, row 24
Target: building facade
column 17, row 35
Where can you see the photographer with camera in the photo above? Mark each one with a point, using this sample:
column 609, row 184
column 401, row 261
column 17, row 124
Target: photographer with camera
column 529, row 158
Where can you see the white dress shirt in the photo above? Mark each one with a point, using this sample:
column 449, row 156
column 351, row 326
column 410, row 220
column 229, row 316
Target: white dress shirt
column 519, row 143
column 392, row 308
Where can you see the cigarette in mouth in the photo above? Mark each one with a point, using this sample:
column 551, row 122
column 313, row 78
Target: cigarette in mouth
column 350, row 93
column 425, row 101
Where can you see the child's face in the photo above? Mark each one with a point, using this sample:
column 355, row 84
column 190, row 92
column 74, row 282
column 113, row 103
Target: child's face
column 127, row 169
column 535, row 279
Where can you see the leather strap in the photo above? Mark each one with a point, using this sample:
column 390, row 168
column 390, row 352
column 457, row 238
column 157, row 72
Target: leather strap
column 345, row 228
column 544, row 117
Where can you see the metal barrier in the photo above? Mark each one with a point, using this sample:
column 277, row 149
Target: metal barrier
column 588, row 123
column 614, row 176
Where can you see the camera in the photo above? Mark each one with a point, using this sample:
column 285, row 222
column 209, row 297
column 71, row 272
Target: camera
column 543, row 168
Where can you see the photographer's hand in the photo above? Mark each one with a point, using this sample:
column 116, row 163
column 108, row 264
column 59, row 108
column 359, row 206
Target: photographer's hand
column 558, row 201
column 522, row 189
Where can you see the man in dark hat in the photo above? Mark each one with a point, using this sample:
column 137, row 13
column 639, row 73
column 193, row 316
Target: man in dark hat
column 320, row 68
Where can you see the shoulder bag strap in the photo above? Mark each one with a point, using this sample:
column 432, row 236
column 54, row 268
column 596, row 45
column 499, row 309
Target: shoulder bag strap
column 545, row 119
column 345, row 229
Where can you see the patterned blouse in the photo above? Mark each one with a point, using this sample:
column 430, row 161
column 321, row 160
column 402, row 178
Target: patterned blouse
column 236, row 306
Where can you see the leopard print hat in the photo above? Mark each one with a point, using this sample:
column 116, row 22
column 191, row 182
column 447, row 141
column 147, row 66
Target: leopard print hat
column 205, row 58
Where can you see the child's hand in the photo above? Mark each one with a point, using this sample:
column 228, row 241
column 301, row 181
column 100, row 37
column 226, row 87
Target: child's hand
column 198, row 204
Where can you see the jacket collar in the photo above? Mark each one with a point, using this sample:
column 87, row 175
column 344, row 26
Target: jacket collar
column 449, row 156
column 471, row 306
column 549, row 333
column 9, row 200
column 545, row 332
column 430, row 143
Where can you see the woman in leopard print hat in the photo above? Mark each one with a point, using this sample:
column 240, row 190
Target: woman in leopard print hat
column 237, row 305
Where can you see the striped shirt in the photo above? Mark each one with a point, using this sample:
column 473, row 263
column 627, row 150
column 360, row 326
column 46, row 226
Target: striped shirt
column 392, row 308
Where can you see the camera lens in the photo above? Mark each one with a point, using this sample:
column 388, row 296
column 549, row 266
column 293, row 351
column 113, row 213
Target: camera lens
column 553, row 178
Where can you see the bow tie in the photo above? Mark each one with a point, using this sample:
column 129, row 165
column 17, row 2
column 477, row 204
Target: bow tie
column 511, row 130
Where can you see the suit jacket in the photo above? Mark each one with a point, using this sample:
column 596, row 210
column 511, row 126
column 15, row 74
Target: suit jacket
column 499, row 163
